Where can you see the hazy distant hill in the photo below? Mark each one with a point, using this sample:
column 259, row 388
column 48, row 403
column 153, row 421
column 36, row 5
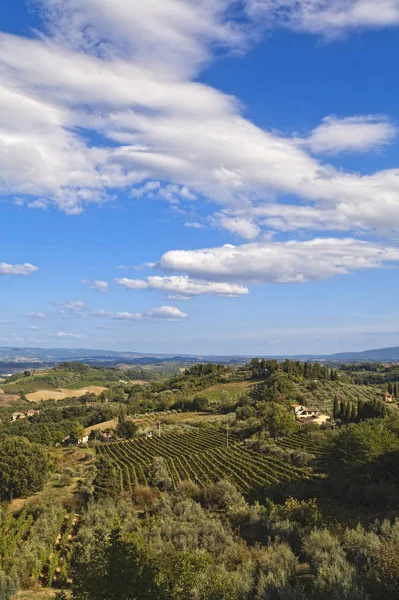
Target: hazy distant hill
column 378, row 355
column 34, row 357
column 15, row 359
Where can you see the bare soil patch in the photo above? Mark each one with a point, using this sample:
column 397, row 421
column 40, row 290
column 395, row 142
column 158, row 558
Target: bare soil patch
column 102, row 426
column 62, row 393
column 7, row 400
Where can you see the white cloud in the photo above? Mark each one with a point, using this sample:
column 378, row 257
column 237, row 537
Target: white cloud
column 242, row 226
column 163, row 313
column 172, row 193
column 36, row 315
column 25, row 269
column 3, row 322
column 64, row 334
column 97, row 284
column 326, row 17
column 193, row 225
column 280, row 262
column 182, row 287
column 360, row 133
column 102, row 68
column 132, row 284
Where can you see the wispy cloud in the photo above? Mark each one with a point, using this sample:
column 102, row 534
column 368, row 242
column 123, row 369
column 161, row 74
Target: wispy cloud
column 96, row 284
column 350, row 134
column 64, row 334
column 163, row 313
column 183, row 286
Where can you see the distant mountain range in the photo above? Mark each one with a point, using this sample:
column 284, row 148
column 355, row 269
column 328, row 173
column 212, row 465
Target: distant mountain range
column 15, row 359
column 31, row 357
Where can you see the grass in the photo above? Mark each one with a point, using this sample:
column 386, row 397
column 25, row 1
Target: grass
column 102, row 426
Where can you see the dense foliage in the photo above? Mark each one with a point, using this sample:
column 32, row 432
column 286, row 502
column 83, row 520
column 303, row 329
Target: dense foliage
column 23, row 467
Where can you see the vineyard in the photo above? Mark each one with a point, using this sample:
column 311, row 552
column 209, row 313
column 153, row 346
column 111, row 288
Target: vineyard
column 38, row 549
column 202, row 457
column 300, row 441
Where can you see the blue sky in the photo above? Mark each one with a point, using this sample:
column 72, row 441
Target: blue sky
column 210, row 177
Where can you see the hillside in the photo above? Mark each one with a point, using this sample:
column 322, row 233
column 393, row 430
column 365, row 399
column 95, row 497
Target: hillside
column 378, row 355
column 69, row 380
column 319, row 396
column 186, row 463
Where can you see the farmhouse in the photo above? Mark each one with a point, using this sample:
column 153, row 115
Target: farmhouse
column 305, row 415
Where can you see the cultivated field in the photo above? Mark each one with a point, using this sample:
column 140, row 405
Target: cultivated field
column 201, row 456
column 300, row 441
column 62, row 393
column 53, row 563
column 234, row 388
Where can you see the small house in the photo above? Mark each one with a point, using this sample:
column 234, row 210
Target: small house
column 387, row 397
column 305, row 415
column 301, row 411
column 84, row 439
column 32, row 413
column 17, row 416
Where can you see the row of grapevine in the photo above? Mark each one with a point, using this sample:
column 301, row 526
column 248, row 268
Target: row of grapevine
column 38, row 546
column 202, row 457
column 59, row 563
column 300, row 441
column 13, row 532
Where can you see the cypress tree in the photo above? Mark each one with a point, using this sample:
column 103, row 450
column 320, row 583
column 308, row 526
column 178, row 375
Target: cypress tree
column 342, row 410
column 390, row 388
column 336, row 411
column 348, row 412
column 353, row 413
